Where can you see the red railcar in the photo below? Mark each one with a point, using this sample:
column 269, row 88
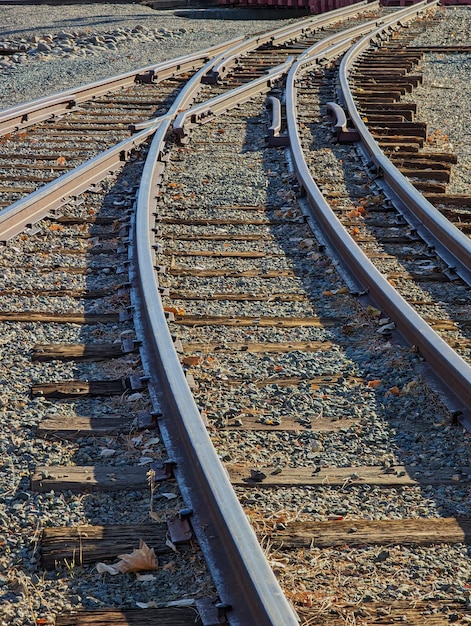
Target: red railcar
column 318, row 6
column 314, row 6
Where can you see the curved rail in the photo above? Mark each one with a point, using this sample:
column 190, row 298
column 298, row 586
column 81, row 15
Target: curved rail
column 36, row 205
column 23, row 115
column 457, row 243
column 283, row 34
column 229, row 542
column 330, row 47
column 449, row 366
column 52, row 195
column 224, row 102
column 221, row 526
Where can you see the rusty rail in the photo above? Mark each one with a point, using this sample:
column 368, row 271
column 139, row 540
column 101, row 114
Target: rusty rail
column 221, row 526
column 328, row 48
column 23, row 115
column 282, row 35
column 449, row 366
column 228, row 541
column 36, row 205
column 242, row 575
column 224, row 102
column 443, row 231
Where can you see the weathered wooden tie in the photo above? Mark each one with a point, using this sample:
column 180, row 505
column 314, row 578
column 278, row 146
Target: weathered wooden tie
column 91, row 544
column 73, row 388
column 333, row 476
column 431, row 531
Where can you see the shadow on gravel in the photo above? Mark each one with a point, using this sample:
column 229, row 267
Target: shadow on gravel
column 391, row 417
column 103, row 429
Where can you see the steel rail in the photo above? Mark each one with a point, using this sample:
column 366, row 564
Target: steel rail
column 51, row 196
column 331, row 47
column 237, row 49
column 203, row 112
column 36, row 205
column 449, row 366
column 283, row 34
column 228, row 540
column 229, row 543
column 26, row 114
column 183, row 101
column 457, row 243
column 33, row 207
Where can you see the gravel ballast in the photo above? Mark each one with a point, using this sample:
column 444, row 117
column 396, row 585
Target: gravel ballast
column 80, row 44
column 73, row 45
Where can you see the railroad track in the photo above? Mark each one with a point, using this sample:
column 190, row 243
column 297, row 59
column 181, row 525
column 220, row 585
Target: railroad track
column 255, row 351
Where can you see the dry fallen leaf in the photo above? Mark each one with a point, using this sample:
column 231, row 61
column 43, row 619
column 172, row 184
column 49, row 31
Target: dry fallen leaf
column 192, row 360
column 107, row 452
column 140, row 559
column 177, row 310
column 170, row 566
column 306, row 243
column 168, row 494
column 373, row 311
column 103, row 568
column 171, row 545
column 145, row 578
column 372, row 384
column 409, row 386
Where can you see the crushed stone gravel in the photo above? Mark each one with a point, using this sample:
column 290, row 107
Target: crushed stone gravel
column 76, row 44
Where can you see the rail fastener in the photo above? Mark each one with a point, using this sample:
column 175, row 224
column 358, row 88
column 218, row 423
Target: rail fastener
column 275, row 137
column 339, row 124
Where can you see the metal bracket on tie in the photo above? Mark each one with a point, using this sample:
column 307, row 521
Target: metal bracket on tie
column 138, row 383
column 275, row 137
column 339, row 124
column 123, row 268
column 179, row 530
column 163, row 471
column 145, row 77
column 128, row 346
column 211, row 613
column 126, row 315
column 146, row 421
